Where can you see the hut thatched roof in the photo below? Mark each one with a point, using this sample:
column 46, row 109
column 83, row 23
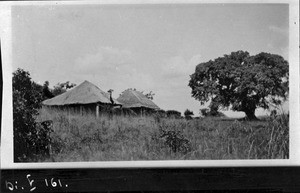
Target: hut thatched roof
column 85, row 93
column 132, row 98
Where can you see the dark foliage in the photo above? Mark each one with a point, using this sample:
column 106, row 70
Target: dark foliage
column 212, row 111
column 47, row 94
column 150, row 95
column 173, row 114
column 174, row 138
column 43, row 142
column 242, row 82
column 27, row 97
column 60, row 88
column 204, row 112
column 176, row 141
column 188, row 114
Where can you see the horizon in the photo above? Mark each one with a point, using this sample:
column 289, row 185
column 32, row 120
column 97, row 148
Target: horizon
column 147, row 47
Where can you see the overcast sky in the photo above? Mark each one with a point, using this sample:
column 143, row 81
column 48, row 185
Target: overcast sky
column 147, row 47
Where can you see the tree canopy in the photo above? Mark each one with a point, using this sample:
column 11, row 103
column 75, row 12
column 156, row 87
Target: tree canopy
column 242, row 82
column 60, row 88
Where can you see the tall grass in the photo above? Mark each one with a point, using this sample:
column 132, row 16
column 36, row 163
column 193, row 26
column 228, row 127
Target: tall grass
column 87, row 138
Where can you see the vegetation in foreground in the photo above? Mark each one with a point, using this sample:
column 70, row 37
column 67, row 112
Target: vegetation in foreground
column 86, row 138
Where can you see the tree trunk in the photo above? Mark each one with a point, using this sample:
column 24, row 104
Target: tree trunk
column 250, row 114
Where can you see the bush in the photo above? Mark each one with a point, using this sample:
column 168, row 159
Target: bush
column 176, row 141
column 26, row 102
column 204, row 112
column 173, row 114
column 188, row 114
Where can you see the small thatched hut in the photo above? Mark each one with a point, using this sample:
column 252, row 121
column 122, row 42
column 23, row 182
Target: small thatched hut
column 137, row 102
column 84, row 97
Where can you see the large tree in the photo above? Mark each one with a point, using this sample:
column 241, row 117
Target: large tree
column 242, row 82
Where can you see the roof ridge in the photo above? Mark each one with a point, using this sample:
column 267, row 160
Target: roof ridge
column 135, row 94
column 137, row 99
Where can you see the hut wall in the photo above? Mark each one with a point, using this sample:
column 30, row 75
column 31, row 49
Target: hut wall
column 82, row 109
column 143, row 111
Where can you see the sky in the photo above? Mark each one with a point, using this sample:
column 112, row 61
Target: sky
column 148, row 47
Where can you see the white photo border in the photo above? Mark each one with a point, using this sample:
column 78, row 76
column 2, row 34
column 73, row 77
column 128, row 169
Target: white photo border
column 7, row 120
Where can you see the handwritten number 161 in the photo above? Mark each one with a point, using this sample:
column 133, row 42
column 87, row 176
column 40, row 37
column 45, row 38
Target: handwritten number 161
column 53, row 183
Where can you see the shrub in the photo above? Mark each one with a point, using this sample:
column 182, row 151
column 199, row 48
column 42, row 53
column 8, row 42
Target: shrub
column 204, row 112
column 176, row 141
column 26, row 102
column 188, row 114
column 172, row 134
column 173, row 114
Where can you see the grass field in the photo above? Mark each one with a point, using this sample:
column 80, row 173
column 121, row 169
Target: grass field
column 119, row 138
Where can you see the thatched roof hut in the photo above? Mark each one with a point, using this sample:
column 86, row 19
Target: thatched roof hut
column 82, row 95
column 136, row 100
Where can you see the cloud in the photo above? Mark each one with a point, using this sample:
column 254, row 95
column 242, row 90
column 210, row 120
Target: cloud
column 113, row 68
column 172, row 90
column 281, row 31
column 279, row 40
column 116, row 69
column 106, row 60
column 176, row 71
column 177, row 66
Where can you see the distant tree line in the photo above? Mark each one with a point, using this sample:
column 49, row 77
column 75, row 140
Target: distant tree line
column 58, row 89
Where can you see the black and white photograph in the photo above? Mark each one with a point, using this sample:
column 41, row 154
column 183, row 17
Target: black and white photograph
column 150, row 82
